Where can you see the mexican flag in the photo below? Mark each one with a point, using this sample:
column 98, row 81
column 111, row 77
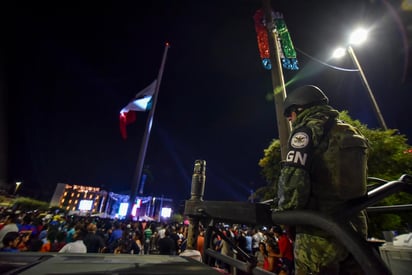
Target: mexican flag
column 142, row 102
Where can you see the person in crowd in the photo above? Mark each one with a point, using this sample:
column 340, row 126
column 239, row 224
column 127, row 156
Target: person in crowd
column 257, row 238
column 28, row 226
column 147, row 233
column 217, row 246
column 318, row 175
column 10, row 242
column 122, row 246
column 115, row 235
column 175, row 237
column 93, row 242
column 43, row 232
column 10, row 225
column 59, row 242
column 137, row 245
column 25, row 239
column 226, row 248
column 161, row 229
column 249, row 240
column 273, row 261
column 166, row 245
column 183, row 237
column 35, row 245
column 50, row 239
column 69, row 231
column 285, row 247
column 200, row 240
column 77, row 246
column 262, row 256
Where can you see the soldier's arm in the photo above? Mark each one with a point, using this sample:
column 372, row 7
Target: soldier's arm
column 294, row 181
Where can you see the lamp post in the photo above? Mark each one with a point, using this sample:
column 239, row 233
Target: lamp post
column 17, row 187
column 358, row 37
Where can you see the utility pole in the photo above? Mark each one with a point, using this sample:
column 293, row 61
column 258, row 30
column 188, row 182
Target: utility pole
column 279, row 90
column 368, row 89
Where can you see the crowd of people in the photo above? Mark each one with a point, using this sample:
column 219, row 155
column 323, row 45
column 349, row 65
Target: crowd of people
column 271, row 247
column 76, row 234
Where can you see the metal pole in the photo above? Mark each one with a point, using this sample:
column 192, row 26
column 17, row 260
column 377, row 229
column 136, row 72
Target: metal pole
column 160, row 209
column 368, row 88
column 284, row 127
column 142, row 154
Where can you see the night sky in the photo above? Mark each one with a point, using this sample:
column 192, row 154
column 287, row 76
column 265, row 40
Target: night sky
column 70, row 69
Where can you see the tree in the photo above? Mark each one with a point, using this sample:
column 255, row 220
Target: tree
column 388, row 159
column 177, row 218
column 27, row 204
column 270, row 164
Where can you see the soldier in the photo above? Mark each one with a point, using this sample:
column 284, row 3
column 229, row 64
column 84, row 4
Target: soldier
column 326, row 165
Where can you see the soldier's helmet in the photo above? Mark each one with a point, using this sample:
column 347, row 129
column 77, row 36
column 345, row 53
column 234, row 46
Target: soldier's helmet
column 305, row 96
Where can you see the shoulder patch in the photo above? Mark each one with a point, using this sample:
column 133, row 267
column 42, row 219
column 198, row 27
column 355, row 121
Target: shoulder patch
column 300, row 147
column 299, row 140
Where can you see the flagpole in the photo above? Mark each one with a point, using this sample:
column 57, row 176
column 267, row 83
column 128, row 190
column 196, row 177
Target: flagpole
column 143, row 148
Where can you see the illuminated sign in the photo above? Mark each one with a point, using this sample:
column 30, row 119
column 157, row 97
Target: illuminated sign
column 86, row 205
column 123, row 208
column 166, row 212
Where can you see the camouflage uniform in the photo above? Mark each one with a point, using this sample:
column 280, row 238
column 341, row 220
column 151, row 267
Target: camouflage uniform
column 310, row 179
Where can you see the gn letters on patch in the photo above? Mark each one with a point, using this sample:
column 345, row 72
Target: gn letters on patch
column 297, row 157
column 299, row 145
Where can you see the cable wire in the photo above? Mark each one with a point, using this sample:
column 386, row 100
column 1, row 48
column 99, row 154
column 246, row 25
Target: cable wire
column 326, row 64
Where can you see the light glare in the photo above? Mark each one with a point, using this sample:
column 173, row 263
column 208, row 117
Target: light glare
column 358, row 36
column 123, row 209
column 166, row 212
column 339, row 52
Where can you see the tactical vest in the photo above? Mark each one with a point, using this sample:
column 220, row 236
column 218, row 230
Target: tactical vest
column 339, row 170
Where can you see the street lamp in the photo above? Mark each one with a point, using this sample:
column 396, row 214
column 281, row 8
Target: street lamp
column 358, row 37
column 17, row 187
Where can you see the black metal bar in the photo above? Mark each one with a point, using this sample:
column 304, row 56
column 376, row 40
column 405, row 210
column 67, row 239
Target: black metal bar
column 248, row 258
column 352, row 207
column 389, row 208
column 230, row 211
column 244, row 266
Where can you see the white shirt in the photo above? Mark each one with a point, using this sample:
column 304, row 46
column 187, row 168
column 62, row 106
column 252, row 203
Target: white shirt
column 161, row 233
column 74, row 247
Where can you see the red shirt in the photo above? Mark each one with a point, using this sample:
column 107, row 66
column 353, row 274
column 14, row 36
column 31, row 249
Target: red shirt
column 285, row 247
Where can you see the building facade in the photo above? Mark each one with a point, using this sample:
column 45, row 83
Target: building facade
column 79, row 198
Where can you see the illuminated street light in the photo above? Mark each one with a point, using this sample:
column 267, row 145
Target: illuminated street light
column 357, row 37
column 17, row 187
column 339, row 52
